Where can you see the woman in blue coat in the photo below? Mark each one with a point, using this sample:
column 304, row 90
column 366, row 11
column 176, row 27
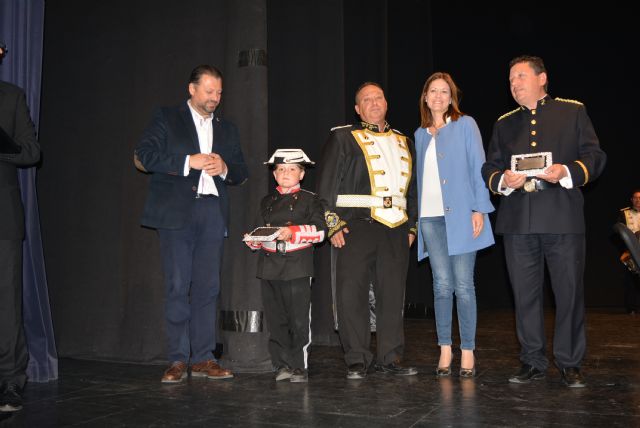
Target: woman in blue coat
column 453, row 206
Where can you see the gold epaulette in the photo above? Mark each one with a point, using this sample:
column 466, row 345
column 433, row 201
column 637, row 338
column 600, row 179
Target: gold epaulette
column 564, row 100
column 397, row 132
column 508, row 114
column 339, row 127
column 625, row 209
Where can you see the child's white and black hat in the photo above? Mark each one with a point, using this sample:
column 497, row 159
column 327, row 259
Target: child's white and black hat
column 289, row 156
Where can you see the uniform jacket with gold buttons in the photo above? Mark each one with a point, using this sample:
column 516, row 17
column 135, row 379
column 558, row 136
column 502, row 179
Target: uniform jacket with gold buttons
column 344, row 170
column 563, row 128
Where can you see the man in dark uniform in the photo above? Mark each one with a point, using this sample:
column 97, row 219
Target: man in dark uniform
column 541, row 214
column 18, row 148
column 365, row 177
column 630, row 216
column 286, row 263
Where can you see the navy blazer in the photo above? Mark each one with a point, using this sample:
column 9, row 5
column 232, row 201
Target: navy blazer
column 162, row 151
column 16, row 123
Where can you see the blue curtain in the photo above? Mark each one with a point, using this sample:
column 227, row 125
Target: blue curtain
column 22, row 28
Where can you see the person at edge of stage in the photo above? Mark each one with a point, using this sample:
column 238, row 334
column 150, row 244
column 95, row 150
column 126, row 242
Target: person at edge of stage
column 19, row 148
column 630, row 216
column 538, row 157
column 286, row 263
column 192, row 154
column 453, row 207
column 366, row 180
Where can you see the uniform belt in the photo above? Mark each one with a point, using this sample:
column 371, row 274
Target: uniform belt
column 370, row 201
column 283, row 247
column 205, row 195
column 536, row 185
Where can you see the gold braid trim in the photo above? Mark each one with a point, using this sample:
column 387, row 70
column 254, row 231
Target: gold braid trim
column 586, row 173
column 334, row 224
column 490, row 181
column 337, row 228
column 508, row 114
column 565, row 100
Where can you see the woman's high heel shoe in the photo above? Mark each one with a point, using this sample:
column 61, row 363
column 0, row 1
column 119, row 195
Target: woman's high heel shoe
column 469, row 372
column 444, row 371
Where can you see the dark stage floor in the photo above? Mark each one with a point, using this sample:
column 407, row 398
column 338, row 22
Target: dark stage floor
column 112, row 394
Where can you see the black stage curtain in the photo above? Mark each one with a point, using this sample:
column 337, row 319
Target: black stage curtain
column 399, row 44
column 107, row 65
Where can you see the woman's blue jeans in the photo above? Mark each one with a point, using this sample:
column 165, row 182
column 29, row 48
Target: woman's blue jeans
column 451, row 275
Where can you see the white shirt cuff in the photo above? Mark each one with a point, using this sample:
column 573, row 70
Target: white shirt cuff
column 186, row 166
column 507, row 191
column 566, row 182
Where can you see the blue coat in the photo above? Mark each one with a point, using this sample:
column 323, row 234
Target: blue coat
column 460, row 157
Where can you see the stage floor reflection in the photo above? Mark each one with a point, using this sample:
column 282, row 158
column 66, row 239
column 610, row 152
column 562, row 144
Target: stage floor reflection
column 102, row 394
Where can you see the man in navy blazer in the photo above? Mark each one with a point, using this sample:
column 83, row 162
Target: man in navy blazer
column 18, row 148
column 192, row 155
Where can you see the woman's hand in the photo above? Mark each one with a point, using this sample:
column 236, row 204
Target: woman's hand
column 477, row 221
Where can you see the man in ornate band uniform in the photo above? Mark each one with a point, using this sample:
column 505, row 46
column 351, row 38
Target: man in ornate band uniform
column 541, row 215
column 366, row 179
column 630, row 216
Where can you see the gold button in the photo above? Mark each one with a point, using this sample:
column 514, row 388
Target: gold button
column 533, row 132
column 533, row 111
column 533, row 122
column 533, row 144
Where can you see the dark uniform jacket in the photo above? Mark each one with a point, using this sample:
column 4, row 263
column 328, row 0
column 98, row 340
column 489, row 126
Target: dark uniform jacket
column 343, row 171
column 563, row 128
column 17, row 130
column 166, row 142
column 291, row 209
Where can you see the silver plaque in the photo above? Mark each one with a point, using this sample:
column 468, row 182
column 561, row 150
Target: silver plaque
column 531, row 164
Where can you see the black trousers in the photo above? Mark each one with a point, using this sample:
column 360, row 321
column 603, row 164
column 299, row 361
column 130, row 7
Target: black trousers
column 13, row 347
column 372, row 249
column 564, row 256
column 287, row 310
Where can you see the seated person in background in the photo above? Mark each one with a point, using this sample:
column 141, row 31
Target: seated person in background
column 286, row 263
column 630, row 216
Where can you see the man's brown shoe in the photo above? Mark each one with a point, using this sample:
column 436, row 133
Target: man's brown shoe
column 210, row 369
column 176, row 373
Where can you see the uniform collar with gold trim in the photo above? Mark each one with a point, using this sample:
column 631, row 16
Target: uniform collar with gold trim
column 541, row 102
column 374, row 128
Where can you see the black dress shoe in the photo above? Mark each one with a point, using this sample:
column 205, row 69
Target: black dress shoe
column 526, row 374
column 572, row 377
column 396, row 369
column 356, row 371
column 10, row 398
